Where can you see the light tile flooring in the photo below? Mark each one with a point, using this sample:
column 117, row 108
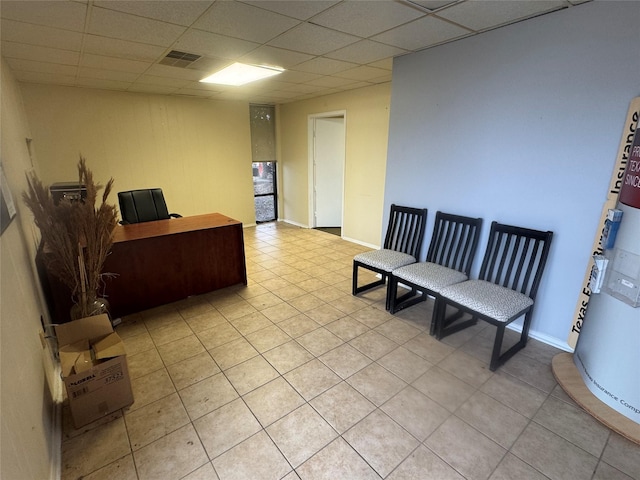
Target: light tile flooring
column 293, row 378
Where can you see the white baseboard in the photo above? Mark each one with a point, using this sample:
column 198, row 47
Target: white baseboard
column 56, row 428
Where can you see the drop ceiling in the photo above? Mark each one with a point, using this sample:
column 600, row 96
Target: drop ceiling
column 326, row 46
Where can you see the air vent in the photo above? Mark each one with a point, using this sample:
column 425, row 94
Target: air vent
column 179, row 59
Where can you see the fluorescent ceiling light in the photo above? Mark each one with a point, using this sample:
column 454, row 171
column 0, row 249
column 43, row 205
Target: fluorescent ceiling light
column 239, row 74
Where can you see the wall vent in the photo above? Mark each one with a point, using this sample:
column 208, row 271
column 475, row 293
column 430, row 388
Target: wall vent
column 175, row 58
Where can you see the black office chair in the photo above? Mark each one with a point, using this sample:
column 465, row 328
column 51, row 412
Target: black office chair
column 451, row 252
column 402, row 244
column 144, row 205
column 505, row 290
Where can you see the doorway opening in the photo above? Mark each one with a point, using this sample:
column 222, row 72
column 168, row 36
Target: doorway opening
column 263, row 155
column 326, row 170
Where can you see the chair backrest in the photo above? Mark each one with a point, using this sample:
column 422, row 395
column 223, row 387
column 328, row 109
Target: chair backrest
column 454, row 241
column 143, row 205
column 405, row 232
column 515, row 257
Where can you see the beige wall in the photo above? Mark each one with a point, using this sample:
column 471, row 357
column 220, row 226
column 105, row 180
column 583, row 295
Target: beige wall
column 197, row 151
column 367, row 125
column 30, row 445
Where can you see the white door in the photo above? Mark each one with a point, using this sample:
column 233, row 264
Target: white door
column 328, row 164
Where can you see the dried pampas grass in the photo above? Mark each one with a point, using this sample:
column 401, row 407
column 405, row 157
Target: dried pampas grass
column 77, row 236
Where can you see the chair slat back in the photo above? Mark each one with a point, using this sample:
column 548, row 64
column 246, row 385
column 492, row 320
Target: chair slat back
column 405, row 231
column 515, row 257
column 454, row 241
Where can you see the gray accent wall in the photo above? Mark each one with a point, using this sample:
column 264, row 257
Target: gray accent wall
column 521, row 125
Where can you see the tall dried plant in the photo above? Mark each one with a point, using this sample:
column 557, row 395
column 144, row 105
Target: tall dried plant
column 77, row 236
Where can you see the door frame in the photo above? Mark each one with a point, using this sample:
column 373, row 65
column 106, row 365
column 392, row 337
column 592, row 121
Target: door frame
column 311, row 123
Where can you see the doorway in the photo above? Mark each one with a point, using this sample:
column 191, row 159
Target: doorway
column 326, row 169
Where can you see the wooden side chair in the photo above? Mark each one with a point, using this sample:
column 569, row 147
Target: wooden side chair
column 402, row 245
column 453, row 246
column 505, row 290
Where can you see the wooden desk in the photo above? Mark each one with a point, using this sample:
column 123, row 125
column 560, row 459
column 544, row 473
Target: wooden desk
column 161, row 262
column 168, row 260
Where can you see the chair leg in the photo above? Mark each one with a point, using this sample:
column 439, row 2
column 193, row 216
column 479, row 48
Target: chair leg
column 354, row 279
column 391, row 293
column 387, row 302
column 437, row 316
column 496, row 360
column 355, row 289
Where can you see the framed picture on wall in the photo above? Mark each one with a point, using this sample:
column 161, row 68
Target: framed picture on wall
column 7, row 207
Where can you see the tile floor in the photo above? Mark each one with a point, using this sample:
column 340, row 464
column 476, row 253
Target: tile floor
column 293, row 378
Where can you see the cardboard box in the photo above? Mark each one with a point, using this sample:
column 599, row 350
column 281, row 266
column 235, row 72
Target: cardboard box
column 94, row 368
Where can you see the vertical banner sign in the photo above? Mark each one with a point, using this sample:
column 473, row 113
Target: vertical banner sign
column 616, row 183
column 630, row 191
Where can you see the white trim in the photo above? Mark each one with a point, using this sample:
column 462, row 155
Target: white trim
column 364, row 244
column 543, row 337
column 291, row 222
column 55, row 472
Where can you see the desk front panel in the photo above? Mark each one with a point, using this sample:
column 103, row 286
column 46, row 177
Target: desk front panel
column 159, row 269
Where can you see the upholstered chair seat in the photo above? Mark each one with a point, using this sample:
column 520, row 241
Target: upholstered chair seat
column 385, row 259
column 430, row 276
column 488, row 299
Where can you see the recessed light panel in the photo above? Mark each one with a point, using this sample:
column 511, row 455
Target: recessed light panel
column 240, row 73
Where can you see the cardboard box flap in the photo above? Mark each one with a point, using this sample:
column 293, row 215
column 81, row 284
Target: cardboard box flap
column 69, row 354
column 108, row 347
column 91, row 328
column 84, row 362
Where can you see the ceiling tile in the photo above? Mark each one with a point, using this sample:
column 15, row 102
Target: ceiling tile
column 313, row 39
column 210, row 87
column 112, row 47
column 331, row 82
column 66, row 15
column 17, row 64
column 162, row 81
column 111, row 63
column 40, row 35
column 422, row 33
column 103, row 83
column 278, row 57
column 304, row 88
column 432, row 4
column 293, row 76
column 483, row 14
column 42, row 77
column 39, row 54
column 363, row 73
column 181, row 12
column 156, row 89
column 209, row 64
column 365, row 51
column 239, row 20
column 386, row 64
column 194, row 93
column 213, row 45
column 302, row 10
column 45, row 41
column 362, row 19
column 90, row 72
column 324, row 66
column 174, row 72
column 113, row 24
